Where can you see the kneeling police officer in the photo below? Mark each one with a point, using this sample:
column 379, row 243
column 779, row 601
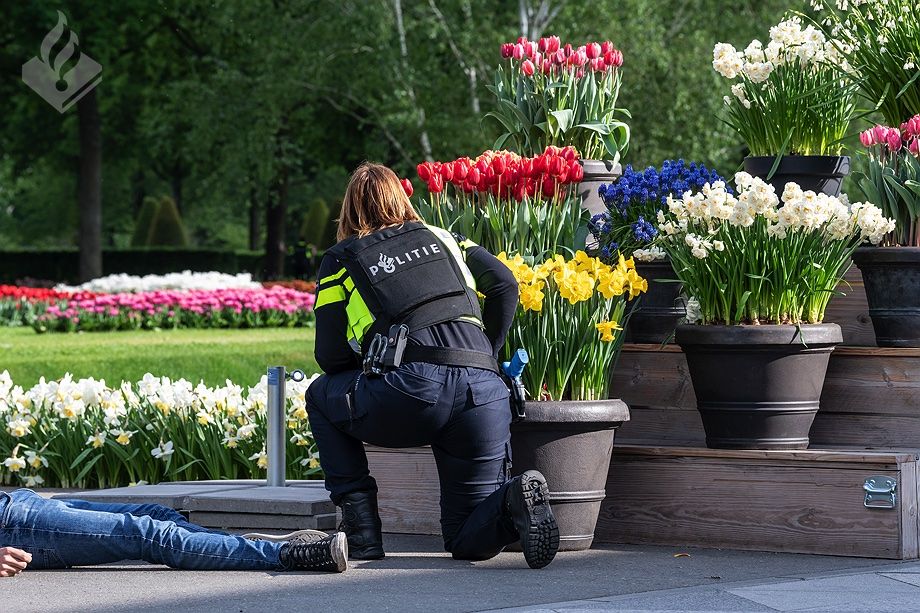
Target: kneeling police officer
column 410, row 359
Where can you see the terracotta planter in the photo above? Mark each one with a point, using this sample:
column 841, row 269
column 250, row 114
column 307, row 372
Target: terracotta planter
column 818, row 173
column 571, row 444
column 597, row 173
column 657, row 312
column 892, row 279
column 758, row 387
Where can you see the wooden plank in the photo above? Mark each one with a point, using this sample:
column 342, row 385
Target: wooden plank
column 844, row 456
column 738, row 503
column 909, row 493
column 409, row 495
column 851, row 310
column 662, row 426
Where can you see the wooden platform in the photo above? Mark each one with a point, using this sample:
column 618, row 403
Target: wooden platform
column 871, row 398
column 790, row 501
column 850, row 310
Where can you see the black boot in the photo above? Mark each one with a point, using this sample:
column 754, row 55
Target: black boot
column 361, row 522
column 329, row 554
column 527, row 504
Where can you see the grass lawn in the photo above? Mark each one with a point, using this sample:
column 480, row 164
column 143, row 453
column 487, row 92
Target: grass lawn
column 212, row 355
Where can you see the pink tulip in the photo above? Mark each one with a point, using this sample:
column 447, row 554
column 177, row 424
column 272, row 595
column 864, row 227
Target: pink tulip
column 507, row 50
column 866, row 138
column 593, row 50
column 914, row 146
column 880, row 133
column 527, row 68
column 894, row 140
column 518, row 53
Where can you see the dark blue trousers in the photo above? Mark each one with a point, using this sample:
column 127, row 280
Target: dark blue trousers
column 462, row 413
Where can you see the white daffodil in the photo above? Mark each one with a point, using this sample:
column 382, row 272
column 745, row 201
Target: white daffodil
column 18, row 427
column 96, row 440
column 163, row 450
column 261, row 459
column 14, row 464
column 36, row 461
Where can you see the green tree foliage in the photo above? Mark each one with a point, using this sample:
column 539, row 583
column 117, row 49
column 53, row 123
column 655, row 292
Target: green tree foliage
column 167, row 229
column 235, row 107
column 144, row 222
column 314, row 229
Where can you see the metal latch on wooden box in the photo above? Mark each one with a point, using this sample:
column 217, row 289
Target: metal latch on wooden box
column 880, row 492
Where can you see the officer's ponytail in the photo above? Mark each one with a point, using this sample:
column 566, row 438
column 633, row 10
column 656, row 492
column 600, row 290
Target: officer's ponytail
column 374, row 200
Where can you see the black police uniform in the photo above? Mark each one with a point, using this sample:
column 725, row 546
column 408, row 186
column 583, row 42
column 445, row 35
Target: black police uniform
column 461, row 411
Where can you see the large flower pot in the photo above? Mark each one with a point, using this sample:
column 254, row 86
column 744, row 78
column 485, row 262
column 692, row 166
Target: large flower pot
column 818, row 173
column 571, row 444
column 758, row 387
column 597, row 173
column 655, row 315
column 892, row 279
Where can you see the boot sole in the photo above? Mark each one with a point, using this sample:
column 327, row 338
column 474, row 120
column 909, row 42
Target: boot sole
column 541, row 542
column 339, row 548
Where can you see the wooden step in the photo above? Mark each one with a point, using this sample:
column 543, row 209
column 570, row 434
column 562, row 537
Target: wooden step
column 793, row 501
column 850, row 309
column 871, row 398
column 788, row 501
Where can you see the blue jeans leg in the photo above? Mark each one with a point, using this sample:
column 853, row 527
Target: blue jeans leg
column 154, row 511
column 60, row 536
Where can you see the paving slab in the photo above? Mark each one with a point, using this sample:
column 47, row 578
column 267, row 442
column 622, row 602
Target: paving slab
column 173, row 495
column 247, row 522
column 863, row 592
column 264, row 500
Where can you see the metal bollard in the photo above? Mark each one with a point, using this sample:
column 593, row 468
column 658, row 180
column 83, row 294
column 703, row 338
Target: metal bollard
column 275, row 439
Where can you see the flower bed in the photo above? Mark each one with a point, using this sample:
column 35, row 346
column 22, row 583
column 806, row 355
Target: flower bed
column 185, row 280
column 87, row 434
column 225, row 308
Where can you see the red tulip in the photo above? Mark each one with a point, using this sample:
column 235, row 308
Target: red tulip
column 606, row 47
column 592, row 50
column 576, row 173
column 424, row 171
column 894, row 140
column 581, row 56
column 473, row 176
column 559, row 57
column 530, row 48
column 527, row 68
column 556, row 166
column 519, row 191
column 447, row 171
column 521, row 40
column 461, row 169
column 543, row 45
column 554, row 44
column 407, row 187
column 548, row 187
column 569, row 153
column 507, row 50
column 567, row 49
column 598, row 64
column 614, row 58
column 436, row 184
column 498, row 165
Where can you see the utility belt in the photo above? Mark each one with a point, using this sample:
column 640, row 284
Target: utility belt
column 387, row 353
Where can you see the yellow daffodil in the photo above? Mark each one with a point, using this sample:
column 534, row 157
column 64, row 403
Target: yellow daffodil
column 97, row 440
column 123, row 437
column 532, row 296
column 606, row 328
column 300, row 413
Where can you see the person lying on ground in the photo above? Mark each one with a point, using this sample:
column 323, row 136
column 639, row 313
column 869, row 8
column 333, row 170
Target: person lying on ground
column 46, row 534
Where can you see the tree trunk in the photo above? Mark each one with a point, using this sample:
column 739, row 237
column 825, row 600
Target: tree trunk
column 89, row 187
column 275, row 215
column 254, row 213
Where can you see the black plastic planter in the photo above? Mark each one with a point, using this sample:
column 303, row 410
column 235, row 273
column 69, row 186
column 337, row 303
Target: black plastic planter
column 597, row 173
column 571, row 444
column 758, row 387
column 892, row 279
column 655, row 315
column 818, row 173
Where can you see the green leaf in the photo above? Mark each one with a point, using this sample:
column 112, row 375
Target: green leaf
column 563, row 119
column 80, row 458
column 89, row 465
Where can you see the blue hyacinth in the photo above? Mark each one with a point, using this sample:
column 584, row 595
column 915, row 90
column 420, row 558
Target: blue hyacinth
column 634, row 200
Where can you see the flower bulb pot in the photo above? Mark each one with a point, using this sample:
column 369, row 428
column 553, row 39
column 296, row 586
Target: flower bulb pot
column 654, row 316
column 758, row 387
column 818, row 173
column 571, row 443
column 597, row 173
column 892, row 279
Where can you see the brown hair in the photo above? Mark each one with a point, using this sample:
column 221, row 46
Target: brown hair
column 374, row 199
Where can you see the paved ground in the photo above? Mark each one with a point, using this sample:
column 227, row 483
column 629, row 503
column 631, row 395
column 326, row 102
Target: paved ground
column 416, row 576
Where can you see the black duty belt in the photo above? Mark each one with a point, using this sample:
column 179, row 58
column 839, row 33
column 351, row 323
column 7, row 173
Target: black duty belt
column 450, row 357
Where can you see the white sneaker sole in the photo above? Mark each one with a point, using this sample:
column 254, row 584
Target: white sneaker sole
column 339, row 548
column 304, row 536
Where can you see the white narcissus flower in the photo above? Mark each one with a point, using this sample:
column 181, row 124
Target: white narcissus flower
column 652, row 254
column 261, row 459
column 14, row 464
column 35, row 460
column 163, row 450
column 96, row 440
column 18, row 427
column 727, row 61
column 33, row 480
column 186, row 280
column 123, row 437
